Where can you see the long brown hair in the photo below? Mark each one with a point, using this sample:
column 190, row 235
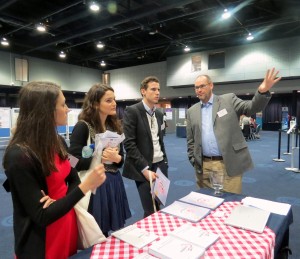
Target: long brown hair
column 90, row 113
column 36, row 131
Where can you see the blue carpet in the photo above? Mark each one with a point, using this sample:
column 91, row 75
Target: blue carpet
column 268, row 180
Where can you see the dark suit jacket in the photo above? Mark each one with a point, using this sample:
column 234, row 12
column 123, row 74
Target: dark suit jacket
column 138, row 141
column 230, row 139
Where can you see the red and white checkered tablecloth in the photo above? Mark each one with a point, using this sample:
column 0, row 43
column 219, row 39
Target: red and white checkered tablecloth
column 233, row 243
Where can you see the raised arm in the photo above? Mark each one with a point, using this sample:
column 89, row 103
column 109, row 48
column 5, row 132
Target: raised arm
column 269, row 80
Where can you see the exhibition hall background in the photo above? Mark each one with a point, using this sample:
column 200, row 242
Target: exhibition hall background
column 244, row 68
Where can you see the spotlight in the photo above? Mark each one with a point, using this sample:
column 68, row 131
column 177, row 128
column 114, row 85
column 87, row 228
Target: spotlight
column 186, row 49
column 102, row 64
column 250, row 36
column 226, row 14
column 94, row 6
column 62, row 54
column 100, row 45
column 41, row 27
column 153, row 32
column 4, row 42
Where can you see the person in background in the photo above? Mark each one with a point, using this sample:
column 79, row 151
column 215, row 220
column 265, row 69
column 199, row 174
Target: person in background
column 253, row 123
column 43, row 185
column 109, row 205
column 214, row 137
column 165, row 125
column 145, row 150
column 245, row 121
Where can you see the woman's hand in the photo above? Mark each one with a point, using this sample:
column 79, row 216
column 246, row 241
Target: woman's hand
column 94, row 179
column 48, row 201
column 111, row 154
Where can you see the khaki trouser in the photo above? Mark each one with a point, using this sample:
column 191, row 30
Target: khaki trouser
column 231, row 184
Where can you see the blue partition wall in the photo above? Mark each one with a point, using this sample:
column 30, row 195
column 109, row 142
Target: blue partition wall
column 62, row 129
column 4, row 132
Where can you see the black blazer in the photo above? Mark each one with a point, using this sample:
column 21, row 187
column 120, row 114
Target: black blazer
column 138, row 141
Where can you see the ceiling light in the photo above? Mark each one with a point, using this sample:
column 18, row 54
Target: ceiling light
column 41, row 27
column 4, row 42
column 102, row 64
column 100, row 45
column 153, row 32
column 62, row 54
column 186, row 49
column 226, row 14
column 250, row 36
column 94, row 6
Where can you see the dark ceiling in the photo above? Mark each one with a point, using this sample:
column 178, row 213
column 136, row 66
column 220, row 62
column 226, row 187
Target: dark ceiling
column 125, row 25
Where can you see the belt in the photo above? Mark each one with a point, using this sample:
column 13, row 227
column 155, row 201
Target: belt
column 216, row 158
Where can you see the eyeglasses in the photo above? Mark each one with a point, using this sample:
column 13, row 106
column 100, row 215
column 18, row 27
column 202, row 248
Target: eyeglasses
column 200, row 86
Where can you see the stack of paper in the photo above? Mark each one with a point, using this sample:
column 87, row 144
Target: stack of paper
column 161, row 187
column 170, row 247
column 186, row 211
column 271, row 206
column 196, row 235
column 135, row 236
column 107, row 139
column 248, row 218
column 202, row 200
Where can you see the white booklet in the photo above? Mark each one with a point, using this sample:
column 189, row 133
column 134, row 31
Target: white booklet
column 170, row 247
column 135, row 236
column 144, row 256
column 248, row 218
column 202, row 200
column 195, row 235
column 161, row 187
column 271, row 206
column 186, row 211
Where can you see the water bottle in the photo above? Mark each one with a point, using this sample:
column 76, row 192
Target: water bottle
column 87, row 151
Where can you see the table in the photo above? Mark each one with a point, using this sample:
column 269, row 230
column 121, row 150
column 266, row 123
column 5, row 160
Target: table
column 181, row 131
column 233, row 242
column 272, row 126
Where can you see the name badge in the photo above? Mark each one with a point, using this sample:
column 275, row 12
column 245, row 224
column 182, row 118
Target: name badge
column 222, row 113
column 73, row 160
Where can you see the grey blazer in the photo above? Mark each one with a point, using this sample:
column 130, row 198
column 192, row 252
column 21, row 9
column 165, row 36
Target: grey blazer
column 228, row 133
column 138, row 141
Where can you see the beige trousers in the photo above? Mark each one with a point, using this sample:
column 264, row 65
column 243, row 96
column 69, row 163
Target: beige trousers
column 231, row 184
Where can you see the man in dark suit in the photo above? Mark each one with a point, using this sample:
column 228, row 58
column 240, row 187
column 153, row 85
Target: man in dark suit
column 145, row 150
column 214, row 138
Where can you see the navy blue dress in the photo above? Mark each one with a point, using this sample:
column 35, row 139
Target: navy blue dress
column 109, row 205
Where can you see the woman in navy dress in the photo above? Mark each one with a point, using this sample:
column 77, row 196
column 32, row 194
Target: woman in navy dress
column 109, row 205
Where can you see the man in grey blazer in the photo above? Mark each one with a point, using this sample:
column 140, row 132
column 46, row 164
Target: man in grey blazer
column 214, row 138
column 145, row 150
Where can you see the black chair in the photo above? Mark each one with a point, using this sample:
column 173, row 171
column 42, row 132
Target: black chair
column 246, row 132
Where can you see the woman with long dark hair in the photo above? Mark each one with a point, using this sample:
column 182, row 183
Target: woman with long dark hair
column 109, row 205
column 43, row 184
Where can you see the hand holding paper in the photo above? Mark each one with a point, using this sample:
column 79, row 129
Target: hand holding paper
column 107, row 145
column 111, row 154
column 109, row 140
column 161, row 187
